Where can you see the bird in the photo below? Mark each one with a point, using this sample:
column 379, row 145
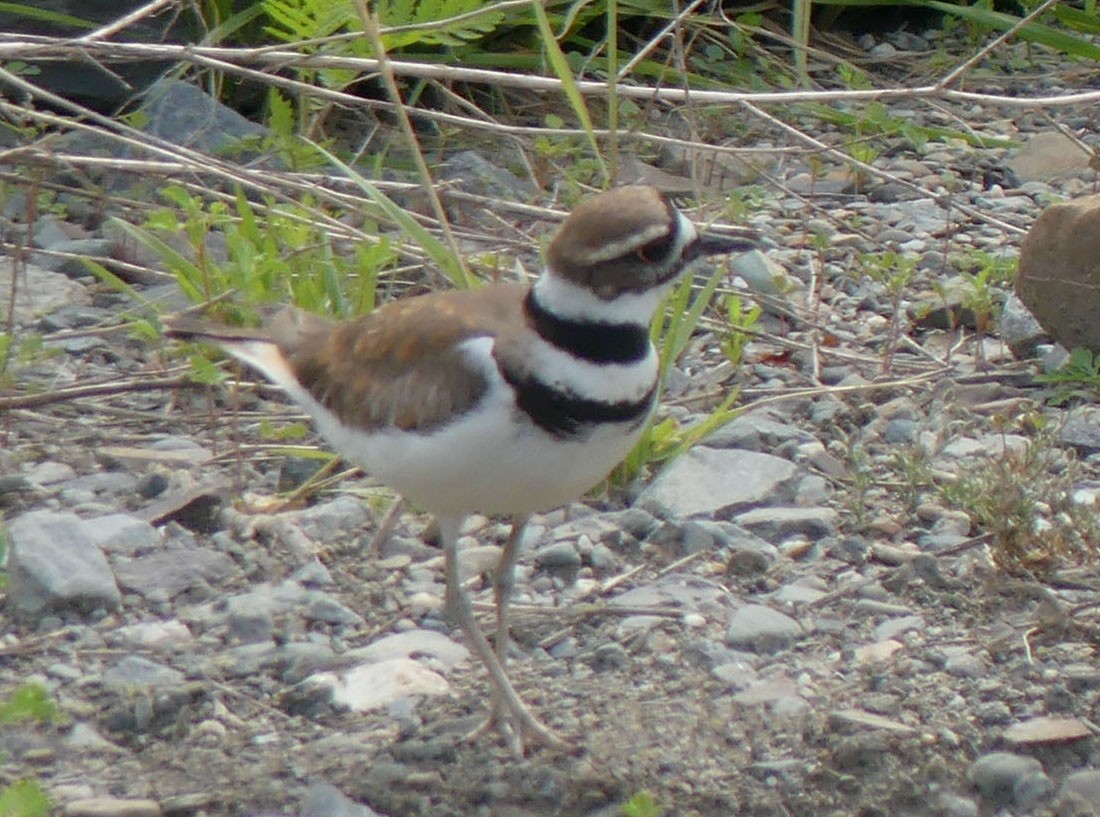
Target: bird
column 509, row 399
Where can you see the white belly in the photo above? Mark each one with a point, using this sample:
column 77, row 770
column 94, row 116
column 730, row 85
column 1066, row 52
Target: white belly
column 493, row 459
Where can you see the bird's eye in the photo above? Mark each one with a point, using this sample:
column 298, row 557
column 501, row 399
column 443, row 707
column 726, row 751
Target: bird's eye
column 655, row 250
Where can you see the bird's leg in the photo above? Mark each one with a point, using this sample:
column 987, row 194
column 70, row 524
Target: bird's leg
column 385, row 527
column 522, row 721
column 504, row 582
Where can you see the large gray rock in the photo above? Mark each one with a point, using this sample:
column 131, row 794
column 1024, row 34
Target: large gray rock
column 54, row 566
column 1059, row 277
column 1049, row 155
column 186, row 115
column 718, row 483
column 39, row 293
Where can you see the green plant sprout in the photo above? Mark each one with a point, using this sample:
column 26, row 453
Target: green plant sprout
column 1025, row 499
column 30, row 702
column 741, row 321
column 1078, row 379
column 666, row 439
column 642, row 804
column 894, row 272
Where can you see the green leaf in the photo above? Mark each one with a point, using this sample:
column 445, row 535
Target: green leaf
column 30, row 702
column 280, row 114
column 24, row 798
column 642, row 804
column 1032, row 32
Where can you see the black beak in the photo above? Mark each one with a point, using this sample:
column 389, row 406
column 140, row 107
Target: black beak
column 708, row 244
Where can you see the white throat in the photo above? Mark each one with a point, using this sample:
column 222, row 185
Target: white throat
column 571, row 301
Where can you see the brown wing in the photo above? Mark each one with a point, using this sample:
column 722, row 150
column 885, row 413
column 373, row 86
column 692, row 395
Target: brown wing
column 398, row 365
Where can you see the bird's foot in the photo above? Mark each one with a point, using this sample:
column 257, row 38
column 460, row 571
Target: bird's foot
column 519, row 727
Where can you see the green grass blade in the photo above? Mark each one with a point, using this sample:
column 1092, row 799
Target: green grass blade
column 994, row 21
column 1079, row 20
column 47, row 16
column 113, row 281
column 1032, row 32
column 435, row 249
column 188, row 275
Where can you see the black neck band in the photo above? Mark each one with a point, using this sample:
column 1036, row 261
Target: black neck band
column 594, row 342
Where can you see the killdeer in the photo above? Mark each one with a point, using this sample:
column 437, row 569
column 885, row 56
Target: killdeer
column 509, row 399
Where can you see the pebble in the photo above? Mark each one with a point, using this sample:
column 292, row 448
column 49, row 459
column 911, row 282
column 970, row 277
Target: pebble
column 136, row 671
column 1006, row 780
column 1046, row 730
column 966, row 665
column 122, row 534
column 327, row 800
column 379, row 684
column 761, row 629
column 779, row 523
column 152, row 635
column 1080, row 788
column 414, row 643
column 112, row 807
column 558, row 555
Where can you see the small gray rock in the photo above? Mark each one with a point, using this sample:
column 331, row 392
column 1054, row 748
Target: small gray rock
column 184, row 114
column 330, row 523
column 1004, row 779
column 328, row 610
column 1080, row 789
column 761, row 629
column 682, row 538
column 966, row 665
column 135, row 671
column 82, row 247
column 756, row 431
column 558, row 556
column 1019, row 329
column 953, row 805
column 325, row 800
column 122, row 533
column 775, row 524
column 313, row 574
column 1081, row 430
column 900, row 431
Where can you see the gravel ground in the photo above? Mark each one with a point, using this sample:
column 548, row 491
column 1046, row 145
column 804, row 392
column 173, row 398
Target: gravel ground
column 827, row 609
